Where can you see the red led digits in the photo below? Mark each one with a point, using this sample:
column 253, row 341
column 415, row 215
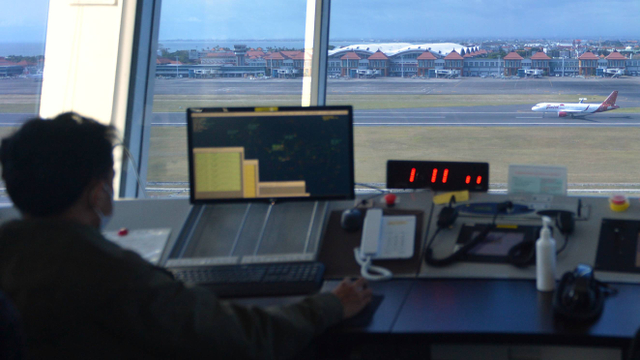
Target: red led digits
column 479, row 180
column 412, row 177
column 445, row 175
column 434, row 174
column 468, row 179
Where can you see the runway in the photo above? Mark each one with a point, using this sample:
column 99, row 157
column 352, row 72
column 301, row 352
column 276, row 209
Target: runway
column 460, row 116
column 426, row 117
column 496, row 115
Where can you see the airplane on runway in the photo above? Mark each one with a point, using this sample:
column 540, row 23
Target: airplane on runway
column 578, row 109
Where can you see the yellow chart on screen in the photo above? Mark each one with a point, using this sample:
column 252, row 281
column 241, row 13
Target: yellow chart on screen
column 224, row 173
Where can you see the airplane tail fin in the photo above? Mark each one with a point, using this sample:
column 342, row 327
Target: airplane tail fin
column 611, row 100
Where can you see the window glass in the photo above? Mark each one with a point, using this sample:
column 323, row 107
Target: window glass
column 213, row 54
column 23, row 25
column 453, row 107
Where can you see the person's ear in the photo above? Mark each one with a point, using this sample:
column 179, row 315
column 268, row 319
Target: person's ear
column 97, row 195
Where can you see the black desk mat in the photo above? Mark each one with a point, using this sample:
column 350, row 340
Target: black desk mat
column 619, row 246
column 336, row 251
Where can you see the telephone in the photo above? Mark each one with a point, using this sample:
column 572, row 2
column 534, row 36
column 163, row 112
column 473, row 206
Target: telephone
column 384, row 238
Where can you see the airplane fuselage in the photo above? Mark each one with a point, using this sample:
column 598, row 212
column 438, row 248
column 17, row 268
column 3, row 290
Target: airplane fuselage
column 577, row 109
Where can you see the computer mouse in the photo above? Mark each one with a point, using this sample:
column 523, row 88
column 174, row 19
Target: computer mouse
column 351, row 219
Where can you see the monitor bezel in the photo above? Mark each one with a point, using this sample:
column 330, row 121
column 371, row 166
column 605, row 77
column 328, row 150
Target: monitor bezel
column 195, row 201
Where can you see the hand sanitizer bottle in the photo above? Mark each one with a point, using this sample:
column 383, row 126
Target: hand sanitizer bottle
column 546, row 258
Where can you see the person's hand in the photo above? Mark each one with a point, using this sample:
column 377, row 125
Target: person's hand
column 354, row 295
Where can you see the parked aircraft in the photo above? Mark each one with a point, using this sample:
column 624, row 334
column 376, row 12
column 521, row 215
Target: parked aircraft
column 578, row 109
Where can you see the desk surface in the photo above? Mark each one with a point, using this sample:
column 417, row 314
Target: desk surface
column 464, row 300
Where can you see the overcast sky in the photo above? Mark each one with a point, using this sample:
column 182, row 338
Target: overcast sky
column 25, row 20
column 403, row 19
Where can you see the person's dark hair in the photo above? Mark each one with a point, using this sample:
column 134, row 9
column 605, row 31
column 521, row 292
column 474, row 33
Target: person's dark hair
column 47, row 164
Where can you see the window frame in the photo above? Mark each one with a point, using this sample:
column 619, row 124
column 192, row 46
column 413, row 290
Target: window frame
column 137, row 132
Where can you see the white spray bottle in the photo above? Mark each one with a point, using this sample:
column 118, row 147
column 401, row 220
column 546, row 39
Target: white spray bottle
column 546, row 258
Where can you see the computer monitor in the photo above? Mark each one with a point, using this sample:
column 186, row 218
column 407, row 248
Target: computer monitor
column 270, row 153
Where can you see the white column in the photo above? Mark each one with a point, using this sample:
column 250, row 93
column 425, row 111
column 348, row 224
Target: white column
column 88, row 62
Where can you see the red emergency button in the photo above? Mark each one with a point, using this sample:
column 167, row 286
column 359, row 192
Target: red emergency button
column 390, row 199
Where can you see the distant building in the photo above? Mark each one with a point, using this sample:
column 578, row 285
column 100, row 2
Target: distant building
column 402, row 60
column 512, row 63
column 588, row 63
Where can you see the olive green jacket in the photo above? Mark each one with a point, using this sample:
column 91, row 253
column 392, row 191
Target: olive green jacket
column 81, row 296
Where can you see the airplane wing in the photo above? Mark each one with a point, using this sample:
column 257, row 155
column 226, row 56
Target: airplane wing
column 574, row 111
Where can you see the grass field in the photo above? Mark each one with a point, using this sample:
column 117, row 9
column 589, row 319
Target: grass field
column 592, row 155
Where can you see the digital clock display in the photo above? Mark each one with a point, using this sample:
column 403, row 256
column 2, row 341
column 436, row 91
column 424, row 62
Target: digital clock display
column 437, row 175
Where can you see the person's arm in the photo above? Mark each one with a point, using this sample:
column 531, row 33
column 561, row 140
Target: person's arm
column 195, row 322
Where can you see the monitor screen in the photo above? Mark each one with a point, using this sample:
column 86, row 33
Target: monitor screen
column 252, row 154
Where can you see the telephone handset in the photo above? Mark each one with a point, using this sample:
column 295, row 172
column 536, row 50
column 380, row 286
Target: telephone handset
column 384, row 238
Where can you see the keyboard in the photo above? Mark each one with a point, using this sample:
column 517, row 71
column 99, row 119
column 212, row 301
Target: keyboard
column 275, row 279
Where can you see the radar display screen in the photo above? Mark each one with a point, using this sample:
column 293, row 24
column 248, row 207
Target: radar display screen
column 244, row 154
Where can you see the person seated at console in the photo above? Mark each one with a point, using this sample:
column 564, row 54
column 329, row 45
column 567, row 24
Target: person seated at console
column 81, row 296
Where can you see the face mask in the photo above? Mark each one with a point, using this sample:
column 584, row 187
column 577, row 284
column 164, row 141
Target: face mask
column 104, row 219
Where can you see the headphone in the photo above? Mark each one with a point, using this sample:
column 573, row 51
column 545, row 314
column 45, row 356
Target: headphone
column 580, row 297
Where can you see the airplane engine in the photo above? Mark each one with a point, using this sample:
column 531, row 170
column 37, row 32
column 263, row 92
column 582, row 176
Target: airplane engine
column 562, row 114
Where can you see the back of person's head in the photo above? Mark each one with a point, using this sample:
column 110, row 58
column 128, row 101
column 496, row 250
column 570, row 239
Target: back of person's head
column 47, row 164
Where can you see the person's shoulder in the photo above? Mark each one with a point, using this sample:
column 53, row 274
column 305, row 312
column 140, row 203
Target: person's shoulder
column 41, row 227
column 46, row 234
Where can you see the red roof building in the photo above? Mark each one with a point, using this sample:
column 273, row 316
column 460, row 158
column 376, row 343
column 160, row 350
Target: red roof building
column 274, row 60
column 513, row 56
column 512, row 63
column 378, row 55
column 426, row 61
column 453, row 61
column 587, row 64
column 616, row 56
column 540, row 61
column 616, row 60
column 165, row 61
column 379, row 61
column 350, row 64
column 255, row 53
column 453, row 56
column 350, row 56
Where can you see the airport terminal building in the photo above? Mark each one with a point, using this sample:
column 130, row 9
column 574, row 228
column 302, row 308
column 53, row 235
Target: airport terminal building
column 434, row 60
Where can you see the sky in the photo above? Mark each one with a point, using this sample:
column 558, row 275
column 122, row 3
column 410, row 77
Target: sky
column 403, row 19
column 25, row 20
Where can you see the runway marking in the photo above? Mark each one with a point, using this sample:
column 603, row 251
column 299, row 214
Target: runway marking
column 528, row 117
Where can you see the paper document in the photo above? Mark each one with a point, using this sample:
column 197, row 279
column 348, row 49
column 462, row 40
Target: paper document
column 148, row 243
column 532, row 179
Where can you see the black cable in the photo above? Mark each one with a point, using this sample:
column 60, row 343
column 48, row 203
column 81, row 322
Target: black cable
column 372, row 187
column 564, row 246
column 426, row 235
column 459, row 254
column 381, row 192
